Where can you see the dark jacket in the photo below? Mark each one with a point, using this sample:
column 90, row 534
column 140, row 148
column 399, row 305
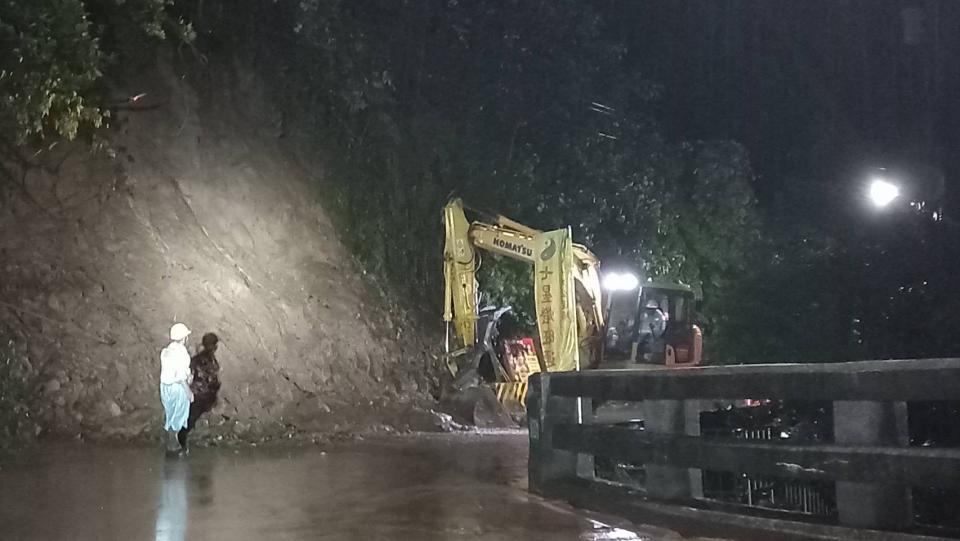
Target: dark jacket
column 206, row 379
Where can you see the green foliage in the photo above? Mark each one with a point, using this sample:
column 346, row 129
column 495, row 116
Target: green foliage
column 55, row 60
column 506, row 282
column 781, row 306
column 519, row 107
column 56, row 54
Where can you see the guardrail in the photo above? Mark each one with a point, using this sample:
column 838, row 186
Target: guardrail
column 870, row 464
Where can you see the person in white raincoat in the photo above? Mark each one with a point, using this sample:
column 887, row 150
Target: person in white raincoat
column 175, row 379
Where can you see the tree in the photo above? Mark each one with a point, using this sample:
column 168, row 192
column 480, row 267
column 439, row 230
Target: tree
column 520, row 107
column 59, row 51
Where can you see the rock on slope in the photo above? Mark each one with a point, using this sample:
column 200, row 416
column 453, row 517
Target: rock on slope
column 199, row 215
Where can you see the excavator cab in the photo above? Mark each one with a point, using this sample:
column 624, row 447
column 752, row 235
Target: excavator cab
column 652, row 324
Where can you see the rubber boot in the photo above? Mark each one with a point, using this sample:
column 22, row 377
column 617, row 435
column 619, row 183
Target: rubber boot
column 182, row 439
column 173, row 445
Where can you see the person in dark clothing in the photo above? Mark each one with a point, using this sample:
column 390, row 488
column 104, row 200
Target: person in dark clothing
column 205, row 385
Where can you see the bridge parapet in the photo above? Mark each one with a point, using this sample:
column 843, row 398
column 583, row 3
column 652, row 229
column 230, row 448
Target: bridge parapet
column 868, row 462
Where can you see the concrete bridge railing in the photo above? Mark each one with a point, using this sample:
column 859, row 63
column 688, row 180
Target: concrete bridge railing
column 870, row 462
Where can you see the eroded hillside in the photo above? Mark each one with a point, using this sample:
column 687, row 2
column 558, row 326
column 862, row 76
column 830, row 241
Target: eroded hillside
column 196, row 212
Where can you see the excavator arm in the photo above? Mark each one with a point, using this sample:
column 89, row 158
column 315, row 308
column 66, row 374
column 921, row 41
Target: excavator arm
column 459, row 274
column 508, row 238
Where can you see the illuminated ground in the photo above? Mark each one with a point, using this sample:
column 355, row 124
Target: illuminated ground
column 452, row 486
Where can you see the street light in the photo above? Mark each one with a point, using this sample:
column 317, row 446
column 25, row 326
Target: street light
column 620, row 281
column 883, row 192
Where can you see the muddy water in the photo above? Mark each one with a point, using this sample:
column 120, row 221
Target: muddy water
column 434, row 487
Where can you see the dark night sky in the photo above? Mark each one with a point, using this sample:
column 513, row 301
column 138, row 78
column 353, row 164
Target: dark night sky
column 819, row 90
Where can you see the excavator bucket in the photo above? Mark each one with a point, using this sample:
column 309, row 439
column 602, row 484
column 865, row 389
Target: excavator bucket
column 478, row 406
column 473, row 401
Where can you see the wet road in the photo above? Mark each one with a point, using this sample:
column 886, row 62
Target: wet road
column 430, row 487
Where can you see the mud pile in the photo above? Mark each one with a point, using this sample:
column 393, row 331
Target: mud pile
column 196, row 211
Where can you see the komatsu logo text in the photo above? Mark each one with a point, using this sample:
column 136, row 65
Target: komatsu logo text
column 513, row 247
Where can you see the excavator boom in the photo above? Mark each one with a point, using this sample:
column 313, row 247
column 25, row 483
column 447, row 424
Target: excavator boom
column 514, row 240
column 649, row 323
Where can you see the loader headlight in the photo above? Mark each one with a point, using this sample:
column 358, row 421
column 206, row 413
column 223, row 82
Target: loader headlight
column 620, row 281
column 882, row 192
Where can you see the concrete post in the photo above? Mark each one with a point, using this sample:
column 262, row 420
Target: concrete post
column 691, row 413
column 586, row 465
column 872, row 505
column 666, row 417
column 545, row 463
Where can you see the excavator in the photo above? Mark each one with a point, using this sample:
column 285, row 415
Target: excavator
column 584, row 321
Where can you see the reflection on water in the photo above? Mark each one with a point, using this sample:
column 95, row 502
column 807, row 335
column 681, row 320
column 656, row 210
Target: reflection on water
column 172, row 503
column 430, row 488
column 605, row 532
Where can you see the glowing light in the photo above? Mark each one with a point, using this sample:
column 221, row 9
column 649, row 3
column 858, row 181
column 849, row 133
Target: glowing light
column 882, row 192
column 620, row 281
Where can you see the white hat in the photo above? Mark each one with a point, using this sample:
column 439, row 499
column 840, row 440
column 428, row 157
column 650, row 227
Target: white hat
column 179, row 331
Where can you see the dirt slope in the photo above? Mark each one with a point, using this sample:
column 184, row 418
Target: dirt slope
column 200, row 215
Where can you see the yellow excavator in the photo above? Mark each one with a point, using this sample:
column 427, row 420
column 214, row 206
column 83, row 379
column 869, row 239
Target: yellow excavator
column 583, row 321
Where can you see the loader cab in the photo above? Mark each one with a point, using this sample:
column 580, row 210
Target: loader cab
column 652, row 324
